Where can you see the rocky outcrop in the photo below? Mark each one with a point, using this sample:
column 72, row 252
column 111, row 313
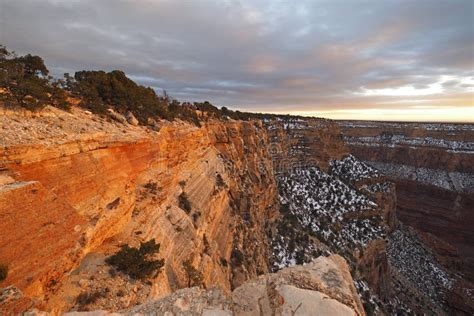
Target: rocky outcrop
column 235, row 200
column 322, row 287
column 296, row 143
column 64, row 198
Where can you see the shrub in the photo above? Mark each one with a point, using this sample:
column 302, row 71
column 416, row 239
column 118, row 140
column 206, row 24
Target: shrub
column 99, row 89
column 184, row 202
column 219, row 181
column 195, row 277
column 237, row 257
column 224, row 262
column 86, row 298
column 3, row 272
column 196, row 216
column 26, row 78
column 138, row 263
column 152, row 187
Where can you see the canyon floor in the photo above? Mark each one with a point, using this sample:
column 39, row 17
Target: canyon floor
column 275, row 217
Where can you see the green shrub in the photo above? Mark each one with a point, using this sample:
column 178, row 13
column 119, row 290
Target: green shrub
column 184, row 202
column 3, row 272
column 26, row 78
column 195, row 277
column 138, row 263
column 99, row 89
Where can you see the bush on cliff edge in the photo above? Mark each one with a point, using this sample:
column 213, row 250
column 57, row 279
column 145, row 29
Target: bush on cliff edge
column 138, row 263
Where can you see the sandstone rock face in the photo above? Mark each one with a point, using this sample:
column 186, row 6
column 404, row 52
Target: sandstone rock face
column 31, row 220
column 302, row 143
column 117, row 116
column 323, row 287
column 131, row 119
column 63, row 198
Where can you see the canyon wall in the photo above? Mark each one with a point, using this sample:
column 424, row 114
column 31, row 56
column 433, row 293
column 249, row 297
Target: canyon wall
column 330, row 201
column 205, row 194
column 234, row 199
column 433, row 168
column 432, row 165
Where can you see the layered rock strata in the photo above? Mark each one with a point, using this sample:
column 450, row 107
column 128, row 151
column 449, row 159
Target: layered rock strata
column 63, row 198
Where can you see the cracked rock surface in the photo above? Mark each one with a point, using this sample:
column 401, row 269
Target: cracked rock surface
column 322, row 287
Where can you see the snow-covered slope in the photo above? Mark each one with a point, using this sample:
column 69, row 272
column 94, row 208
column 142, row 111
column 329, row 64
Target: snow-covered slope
column 416, row 263
column 342, row 217
column 352, row 169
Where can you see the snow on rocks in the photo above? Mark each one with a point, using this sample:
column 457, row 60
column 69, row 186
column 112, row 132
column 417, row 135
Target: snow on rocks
column 405, row 125
column 402, row 140
column 326, row 208
column 376, row 187
column 450, row 180
column 408, row 255
column 352, row 169
column 313, row 193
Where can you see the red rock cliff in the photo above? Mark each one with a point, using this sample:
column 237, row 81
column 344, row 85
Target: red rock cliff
column 63, row 200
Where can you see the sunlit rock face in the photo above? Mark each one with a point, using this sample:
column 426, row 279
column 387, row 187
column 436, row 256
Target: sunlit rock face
column 323, row 286
column 237, row 199
column 63, row 198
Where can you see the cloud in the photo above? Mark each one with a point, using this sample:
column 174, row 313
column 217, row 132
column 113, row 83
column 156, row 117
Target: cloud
column 261, row 55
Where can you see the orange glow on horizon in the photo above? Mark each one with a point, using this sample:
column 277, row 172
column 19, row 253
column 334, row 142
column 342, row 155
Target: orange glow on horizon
column 422, row 114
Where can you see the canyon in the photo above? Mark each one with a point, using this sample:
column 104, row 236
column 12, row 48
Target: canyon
column 432, row 167
column 247, row 203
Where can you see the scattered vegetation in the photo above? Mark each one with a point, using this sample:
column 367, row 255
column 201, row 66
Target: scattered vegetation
column 206, row 244
column 26, row 82
column 224, row 262
column 98, row 90
column 219, row 181
column 87, row 298
column 114, row 204
column 184, row 202
column 138, row 263
column 194, row 276
column 237, row 257
column 196, row 216
column 3, row 272
column 152, row 187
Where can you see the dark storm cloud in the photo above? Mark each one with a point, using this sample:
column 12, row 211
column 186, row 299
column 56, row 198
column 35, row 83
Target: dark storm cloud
column 259, row 55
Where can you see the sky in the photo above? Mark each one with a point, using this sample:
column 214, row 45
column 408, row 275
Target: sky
column 342, row 59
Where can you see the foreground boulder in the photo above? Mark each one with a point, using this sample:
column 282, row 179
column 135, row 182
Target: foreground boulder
column 131, row 119
column 323, row 287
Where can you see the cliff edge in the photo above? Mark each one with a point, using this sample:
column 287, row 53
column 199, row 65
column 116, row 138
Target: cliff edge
column 322, row 287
